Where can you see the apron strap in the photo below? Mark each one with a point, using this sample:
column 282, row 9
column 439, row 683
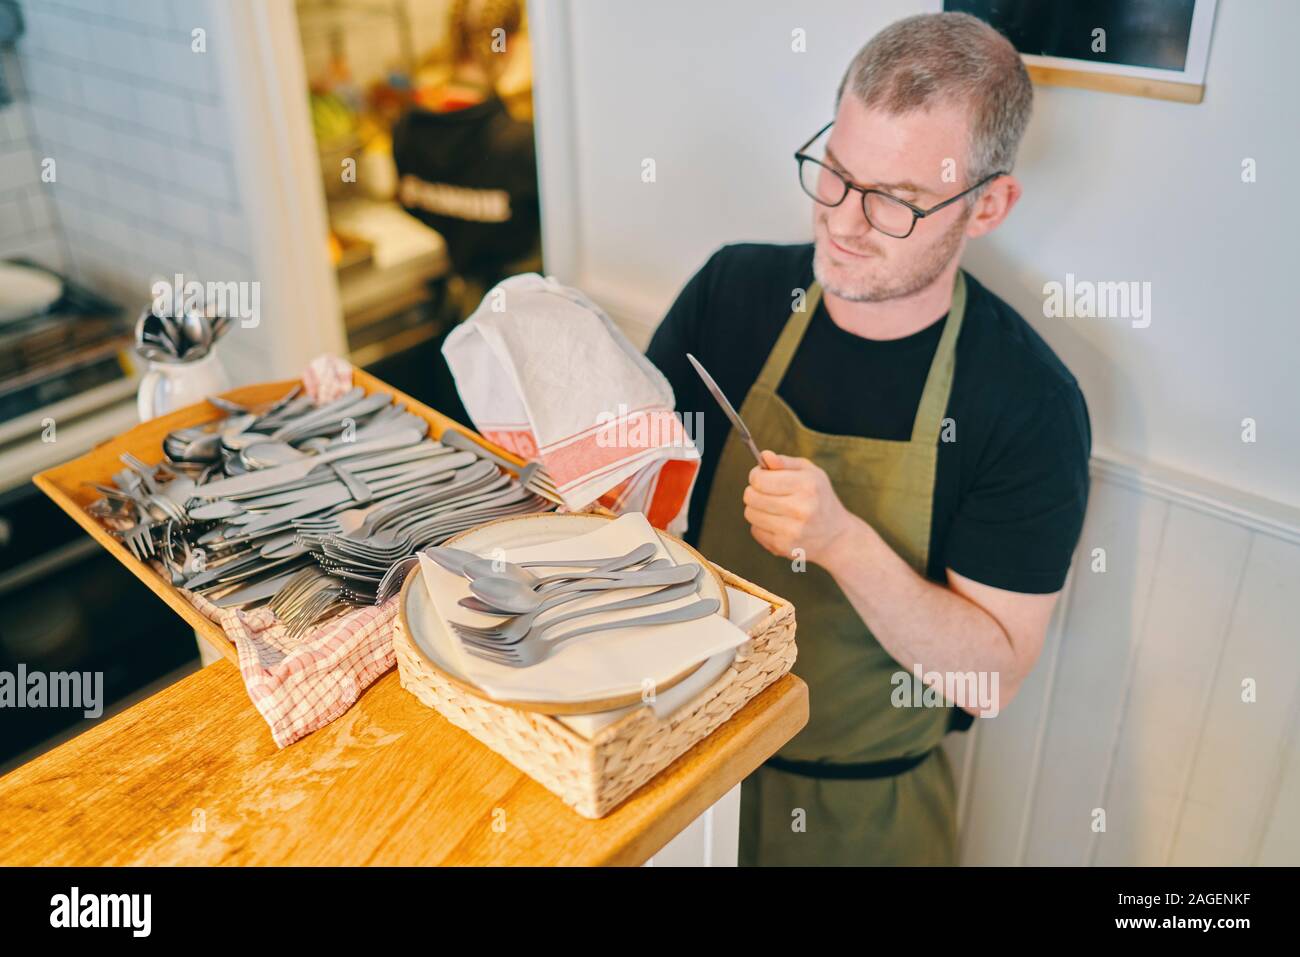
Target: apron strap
column 938, row 383
column 847, row 772
column 778, row 360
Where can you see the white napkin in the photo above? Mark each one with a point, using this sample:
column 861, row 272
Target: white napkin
column 746, row 610
column 604, row 664
column 545, row 373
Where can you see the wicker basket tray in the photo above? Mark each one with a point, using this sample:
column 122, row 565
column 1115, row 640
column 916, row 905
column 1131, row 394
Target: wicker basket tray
column 594, row 775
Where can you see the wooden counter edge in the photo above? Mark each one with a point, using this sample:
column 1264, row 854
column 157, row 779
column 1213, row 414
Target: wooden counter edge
column 630, row 835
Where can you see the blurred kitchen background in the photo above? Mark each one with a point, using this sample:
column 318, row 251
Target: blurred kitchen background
column 230, row 141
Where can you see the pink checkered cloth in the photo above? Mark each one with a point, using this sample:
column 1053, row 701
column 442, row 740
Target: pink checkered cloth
column 326, row 378
column 301, row 685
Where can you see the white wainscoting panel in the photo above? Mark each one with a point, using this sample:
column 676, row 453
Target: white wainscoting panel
column 1139, row 707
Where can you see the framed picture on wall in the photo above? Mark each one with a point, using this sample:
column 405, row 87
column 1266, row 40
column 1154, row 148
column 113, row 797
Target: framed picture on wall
column 1154, row 48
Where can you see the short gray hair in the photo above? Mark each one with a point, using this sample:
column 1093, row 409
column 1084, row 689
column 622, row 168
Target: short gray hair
column 949, row 58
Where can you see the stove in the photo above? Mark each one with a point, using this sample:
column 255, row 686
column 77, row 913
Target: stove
column 82, row 343
column 67, row 383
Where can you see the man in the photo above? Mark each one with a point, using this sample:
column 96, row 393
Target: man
column 925, row 452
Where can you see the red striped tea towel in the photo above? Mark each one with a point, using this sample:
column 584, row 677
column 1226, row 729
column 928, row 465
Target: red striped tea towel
column 544, row 372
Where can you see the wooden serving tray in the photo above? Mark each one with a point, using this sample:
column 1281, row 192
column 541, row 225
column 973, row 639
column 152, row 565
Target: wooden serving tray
column 68, row 484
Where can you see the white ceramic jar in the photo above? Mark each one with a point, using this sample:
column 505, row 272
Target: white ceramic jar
column 168, row 386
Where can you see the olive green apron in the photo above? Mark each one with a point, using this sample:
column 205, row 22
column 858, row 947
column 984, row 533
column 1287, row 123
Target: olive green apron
column 864, row 782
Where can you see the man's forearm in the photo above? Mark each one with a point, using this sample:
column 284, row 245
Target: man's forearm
column 917, row 621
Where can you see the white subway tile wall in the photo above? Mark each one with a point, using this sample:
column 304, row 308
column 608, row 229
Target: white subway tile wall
column 28, row 224
column 132, row 118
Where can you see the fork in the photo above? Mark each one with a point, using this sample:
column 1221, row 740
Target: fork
column 305, row 599
column 394, row 577
column 144, row 470
column 533, row 648
column 532, row 476
column 325, row 603
column 139, row 539
column 516, row 628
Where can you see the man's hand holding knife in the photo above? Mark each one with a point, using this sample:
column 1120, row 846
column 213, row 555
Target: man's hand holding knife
column 790, row 505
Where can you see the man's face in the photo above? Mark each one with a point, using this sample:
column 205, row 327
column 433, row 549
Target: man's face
column 905, row 156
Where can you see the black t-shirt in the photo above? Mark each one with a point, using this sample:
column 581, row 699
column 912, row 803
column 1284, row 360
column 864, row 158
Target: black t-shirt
column 1011, row 488
column 471, row 174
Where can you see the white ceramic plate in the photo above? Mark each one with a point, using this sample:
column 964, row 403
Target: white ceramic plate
column 26, row 292
column 538, row 530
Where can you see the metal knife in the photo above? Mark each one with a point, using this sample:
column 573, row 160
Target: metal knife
column 271, row 478
column 737, row 423
column 336, row 493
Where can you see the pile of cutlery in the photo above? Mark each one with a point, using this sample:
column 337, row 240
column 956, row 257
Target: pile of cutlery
column 312, row 509
column 521, row 597
column 186, row 338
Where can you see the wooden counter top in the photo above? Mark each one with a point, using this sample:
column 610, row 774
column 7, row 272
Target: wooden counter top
column 191, row 776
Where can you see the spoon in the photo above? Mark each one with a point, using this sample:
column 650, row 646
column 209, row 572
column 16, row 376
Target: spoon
column 511, row 597
column 483, row 608
column 173, row 332
column 225, row 405
column 204, row 447
column 516, row 629
column 198, row 334
column 268, row 453
column 237, row 432
column 484, row 567
column 455, row 560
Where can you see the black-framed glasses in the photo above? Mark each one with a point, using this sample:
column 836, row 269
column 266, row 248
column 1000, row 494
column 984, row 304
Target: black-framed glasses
column 887, row 214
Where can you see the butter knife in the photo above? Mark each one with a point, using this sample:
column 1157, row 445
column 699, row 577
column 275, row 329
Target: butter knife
column 270, row 478
column 736, row 422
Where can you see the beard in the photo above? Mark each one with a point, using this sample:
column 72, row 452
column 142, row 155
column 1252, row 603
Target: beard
column 901, row 282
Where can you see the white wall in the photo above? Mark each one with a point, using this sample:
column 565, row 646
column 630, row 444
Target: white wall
column 1116, row 188
column 135, row 124
column 28, row 227
column 1136, row 706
